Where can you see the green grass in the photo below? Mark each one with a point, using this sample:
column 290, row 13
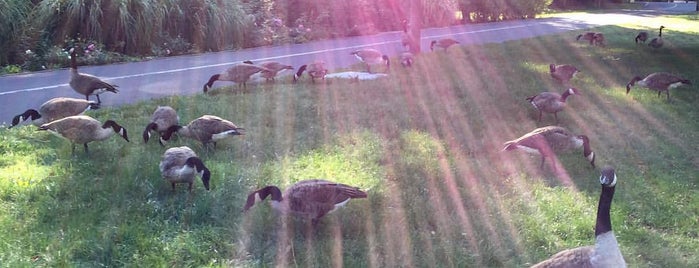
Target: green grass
column 426, row 143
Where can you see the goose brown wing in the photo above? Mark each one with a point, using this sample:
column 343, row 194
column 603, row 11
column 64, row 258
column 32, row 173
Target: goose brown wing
column 58, row 108
column 662, row 79
column 576, row 257
column 322, row 191
column 91, row 83
column 175, row 158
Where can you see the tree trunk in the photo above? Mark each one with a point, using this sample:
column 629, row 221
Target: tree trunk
column 414, row 26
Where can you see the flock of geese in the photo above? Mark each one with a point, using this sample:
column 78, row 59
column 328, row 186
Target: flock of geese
column 313, row 199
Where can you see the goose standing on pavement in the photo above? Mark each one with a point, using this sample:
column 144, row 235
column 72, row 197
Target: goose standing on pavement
column 371, row 56
column 443, row 43
column 238, row 73
column 310, row 199
column 551, row 102
column 86, row 84
column 162, row 118
column 563, row 73
column 206, row 129
column 315, row 70
column 605, row 252
column 84, row 129
column 547, row 141
column 55, row 109
column 659, row 81
column 181, row 165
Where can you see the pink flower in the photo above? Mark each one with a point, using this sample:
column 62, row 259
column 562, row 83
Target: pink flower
column 91, row 47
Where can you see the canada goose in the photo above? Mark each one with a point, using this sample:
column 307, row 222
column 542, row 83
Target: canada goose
column 658, row 41
column 551, row 102
column 163, row 117
column 274, row 68
column 309, row 198
column 371, row 56
column 546, row 141
column 180, row 165
column 605, row 252
column 641, row 36
column 55, row 109
column 659, row 81
column 315, row 70
column 443, row 43
column 84, row 129
column 206, row 129
column 238, row 73
column 87, row 84
column 599, row 40
column 563, row 73
column 589, row 36
column 407, row 59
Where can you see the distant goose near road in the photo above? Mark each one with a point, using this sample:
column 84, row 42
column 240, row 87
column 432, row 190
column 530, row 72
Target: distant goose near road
column 659, row 81
column 605, row 252
column 86, row 84
column 563, row 73
column 238, row 73
column 273, row 69
column 163, row 118
column 371, row 56
column 642, row 36
column 315, row 70
column 84, row 129
column 310, row 199
column 443, row 43
column 206, row 129
column 658, row 41
column 407, row 59
column 181, row 165
column 551, row 102
column 546, row 141
column 55, row 109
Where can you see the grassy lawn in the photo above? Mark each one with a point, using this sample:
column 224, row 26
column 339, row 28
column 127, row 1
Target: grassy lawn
column 426, row 143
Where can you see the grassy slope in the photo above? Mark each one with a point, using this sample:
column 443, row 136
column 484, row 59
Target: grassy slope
column 426, row 142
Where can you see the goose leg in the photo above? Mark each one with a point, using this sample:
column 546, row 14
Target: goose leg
column 555, row 115
column 98, row 98
column 190, row 187
column 540, row 115
column 85, row 145
column 668, row 94
column 173, row 186
column 543, row 158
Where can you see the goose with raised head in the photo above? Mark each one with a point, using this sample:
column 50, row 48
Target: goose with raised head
column 181, row 165
column 86, row 84
column 84, row 129
column 371, row 56
column 660, row 81
column 238, row 73
column 605, row 253
column 55, row 109
column 444, row 43
column 658, row 41
column 162, row 118
column 547, row 141
column 310, row 199
column 315, row 70
column 551, row 102
column 206, row 129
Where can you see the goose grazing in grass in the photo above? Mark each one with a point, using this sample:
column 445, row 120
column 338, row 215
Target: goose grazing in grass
column 443, row 43
column 605, row 252
column 315, row 70
column 659, row 81
column 238, row 73
column 371, row 56
column 563, row 73
column 86, row 84
column 589, row 36
column 551, row 102
column 547, row 141
column 407, row 59
column 658, row 41
column 55, row 109
column 273, row 67
column 641, row 36
column 181, row 165
column 84, row 129
column 308, row 199
column 599, row 40
column 163, row 118
column 206, row 129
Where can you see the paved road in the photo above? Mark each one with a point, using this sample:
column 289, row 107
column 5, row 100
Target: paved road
column 185, row 75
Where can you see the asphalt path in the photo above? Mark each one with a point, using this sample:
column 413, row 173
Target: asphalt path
column 186, row 75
